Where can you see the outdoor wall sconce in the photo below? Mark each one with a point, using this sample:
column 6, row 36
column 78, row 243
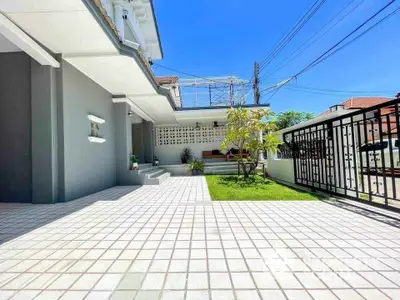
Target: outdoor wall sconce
column 197, row 126
column 216, row 124
column 94, row 136
column 156, row 161
column 96, row 119
column 130, row 113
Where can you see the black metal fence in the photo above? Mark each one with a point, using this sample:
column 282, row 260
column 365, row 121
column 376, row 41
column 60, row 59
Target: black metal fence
column 355, row 155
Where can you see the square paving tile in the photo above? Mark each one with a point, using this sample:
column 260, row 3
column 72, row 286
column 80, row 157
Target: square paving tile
column 170, row 242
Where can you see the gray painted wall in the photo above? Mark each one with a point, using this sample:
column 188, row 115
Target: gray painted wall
column 15, row 128
column 123, row 143
column 137, row 141
column 88, row 167
column 44, row 134
column 148, row 141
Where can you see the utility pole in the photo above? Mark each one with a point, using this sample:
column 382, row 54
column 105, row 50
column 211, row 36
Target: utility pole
column 232, row 93
column 256, row 85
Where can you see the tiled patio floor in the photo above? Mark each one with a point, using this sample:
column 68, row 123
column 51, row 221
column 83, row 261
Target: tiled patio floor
column 170, row 242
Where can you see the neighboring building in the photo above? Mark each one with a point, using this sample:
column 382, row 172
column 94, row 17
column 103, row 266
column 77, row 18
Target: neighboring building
column 78, row 98
column 357, row 103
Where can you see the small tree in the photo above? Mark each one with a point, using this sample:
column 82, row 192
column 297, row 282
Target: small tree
column 243, row 131
column 291, row 118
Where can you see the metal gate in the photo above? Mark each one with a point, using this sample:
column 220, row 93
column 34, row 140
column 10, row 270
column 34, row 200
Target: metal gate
column 354, row 155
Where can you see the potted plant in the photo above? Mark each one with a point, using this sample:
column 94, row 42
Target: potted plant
column 196, row 166
column 135, row 162
column 186, row 155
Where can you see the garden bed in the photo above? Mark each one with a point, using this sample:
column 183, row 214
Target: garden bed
column 231, row 187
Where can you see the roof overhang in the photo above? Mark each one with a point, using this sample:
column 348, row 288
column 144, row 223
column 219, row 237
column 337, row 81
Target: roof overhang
column 161, row 110
column 209, row 114
column 25, row 43
column 158, row 43
column 79, row 31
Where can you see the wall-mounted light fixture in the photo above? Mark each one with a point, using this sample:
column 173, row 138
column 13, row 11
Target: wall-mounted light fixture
column 130, row 113
column 96, row 119
column 216, row 124
column 197, row 126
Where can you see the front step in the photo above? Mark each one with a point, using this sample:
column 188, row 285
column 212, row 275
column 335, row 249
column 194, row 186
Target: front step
column 148, row 170
column 151, row 175
column 156, row 178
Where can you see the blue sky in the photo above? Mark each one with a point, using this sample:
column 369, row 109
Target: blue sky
column 225, row 37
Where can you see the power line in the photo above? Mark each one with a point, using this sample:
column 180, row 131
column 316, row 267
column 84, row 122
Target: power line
column 326, row 54
column 307, row 11
column 359, row 36
column 301, row 87
column 299, row 23
column 293, row 55
column 318, row 92
column 186, row 73
column 289, row 37
column 280, row 41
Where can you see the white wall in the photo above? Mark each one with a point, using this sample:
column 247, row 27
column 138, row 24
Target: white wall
column 171, row 140
column 282, row 169
column 170, row 154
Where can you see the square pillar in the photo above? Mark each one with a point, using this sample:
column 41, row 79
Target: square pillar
column 123, row 141
column 44, row 134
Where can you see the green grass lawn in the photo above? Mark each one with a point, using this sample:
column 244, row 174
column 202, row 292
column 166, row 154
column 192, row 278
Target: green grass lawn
column 230, row 187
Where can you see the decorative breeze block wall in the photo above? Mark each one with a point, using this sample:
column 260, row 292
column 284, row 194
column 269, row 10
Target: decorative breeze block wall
column 181, row 135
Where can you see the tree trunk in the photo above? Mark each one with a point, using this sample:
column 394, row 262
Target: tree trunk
column 245, row 173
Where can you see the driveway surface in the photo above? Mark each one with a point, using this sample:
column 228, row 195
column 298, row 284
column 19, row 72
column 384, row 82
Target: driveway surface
column 171, row 242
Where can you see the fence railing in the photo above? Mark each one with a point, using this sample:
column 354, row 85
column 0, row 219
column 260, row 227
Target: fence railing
column 355, row 155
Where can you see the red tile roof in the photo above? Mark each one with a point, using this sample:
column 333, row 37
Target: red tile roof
column 364, row 102
column 167, row 80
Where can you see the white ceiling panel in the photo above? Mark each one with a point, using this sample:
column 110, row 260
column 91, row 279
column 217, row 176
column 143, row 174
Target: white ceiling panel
column 157, row 107
column 118, row 74
column 65, row 32
column 20, row 6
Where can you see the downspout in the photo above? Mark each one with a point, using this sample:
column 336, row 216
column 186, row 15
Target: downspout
column 119, row 16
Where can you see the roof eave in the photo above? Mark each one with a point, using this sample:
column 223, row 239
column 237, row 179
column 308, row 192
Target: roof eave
column 96, row 12
column 157, row 29
column 224, row 107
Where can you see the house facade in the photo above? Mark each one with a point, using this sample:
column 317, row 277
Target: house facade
column 78, row 98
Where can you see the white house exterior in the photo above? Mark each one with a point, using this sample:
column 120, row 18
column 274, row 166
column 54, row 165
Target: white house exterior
column 78, row 98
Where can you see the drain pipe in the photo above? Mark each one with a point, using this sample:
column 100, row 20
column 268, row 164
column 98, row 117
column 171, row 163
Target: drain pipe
column 119, row 17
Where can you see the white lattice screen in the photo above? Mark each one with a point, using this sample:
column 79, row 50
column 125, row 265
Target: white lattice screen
column 189, row 135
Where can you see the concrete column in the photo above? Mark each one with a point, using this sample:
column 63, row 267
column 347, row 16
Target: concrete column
column 148, row 141
column 44, row 134
column 123, row 140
